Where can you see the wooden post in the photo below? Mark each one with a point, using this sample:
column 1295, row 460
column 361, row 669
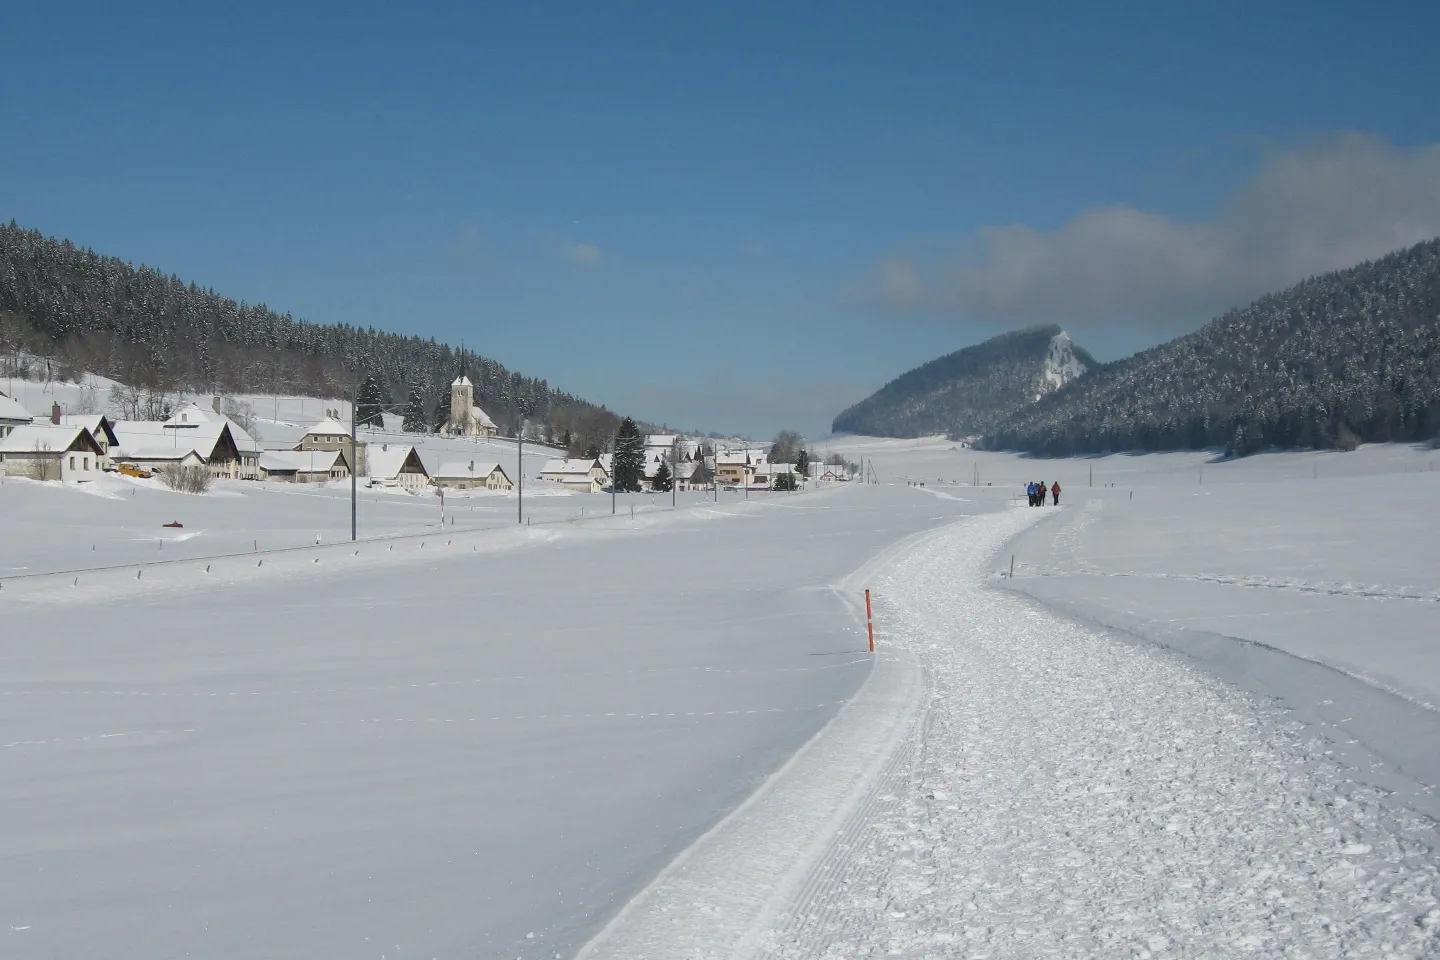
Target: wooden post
column 870, row 620
column 1012, row 566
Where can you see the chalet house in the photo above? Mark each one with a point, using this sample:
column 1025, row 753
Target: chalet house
column 226, row 449
column 742, row 468
column 69, row 454
column 472, row 476
column 304, row 466
column 12, row 415
column 101, row 427
column 396, row 465
column 582, row 476
column 328, row 434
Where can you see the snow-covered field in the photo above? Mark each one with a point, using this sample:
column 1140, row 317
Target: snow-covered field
column 1199, row 721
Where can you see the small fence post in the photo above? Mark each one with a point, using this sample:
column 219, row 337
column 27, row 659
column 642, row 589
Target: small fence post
column 1012, row 566
column 870, row 620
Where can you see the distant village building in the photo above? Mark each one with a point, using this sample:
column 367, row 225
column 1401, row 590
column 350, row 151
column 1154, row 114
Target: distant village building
column 68, row 454
column 12, row 415
column 153, row 458
column 101, row 427
column 466, row 419
column 328, row 434
column 224, row 447
column 582, row 475
column 681, row 453
column 304, row 466
column 396, row 465
column 472, row 476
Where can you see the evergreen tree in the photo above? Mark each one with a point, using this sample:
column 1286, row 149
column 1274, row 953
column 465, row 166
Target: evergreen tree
column 441, row 414
column 369, row 406
column 784, row 480
column 629, row 457
column 415, row 412
column 662, row 481
column 802, row 462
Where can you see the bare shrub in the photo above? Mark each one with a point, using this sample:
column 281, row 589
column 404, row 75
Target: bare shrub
column 42, row 466
column 185, row 478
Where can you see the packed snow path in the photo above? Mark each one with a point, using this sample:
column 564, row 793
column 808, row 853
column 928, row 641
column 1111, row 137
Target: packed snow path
column 1012, row 784
column 1075, row 795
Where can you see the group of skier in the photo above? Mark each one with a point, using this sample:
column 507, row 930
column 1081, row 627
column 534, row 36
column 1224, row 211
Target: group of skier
column 1036, row 492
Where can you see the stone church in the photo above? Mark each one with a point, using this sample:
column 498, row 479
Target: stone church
column 466, row 419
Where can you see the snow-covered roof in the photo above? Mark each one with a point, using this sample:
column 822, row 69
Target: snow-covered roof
column 740, row 457
column 462, row 381
column 660, row 440
column 385, row 461
column 94, row 422
column 481, row 417
column 568, row 468
column 329, row 427
column 301, row 461
column 28, row 437
column 163, row 454
column 190, row 415
column 10, row 409
column 202, row 434
column 460, row 470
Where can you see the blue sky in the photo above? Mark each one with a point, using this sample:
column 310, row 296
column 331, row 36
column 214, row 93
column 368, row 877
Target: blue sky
column 728, row 216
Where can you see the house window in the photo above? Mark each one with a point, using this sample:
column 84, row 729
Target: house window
column 87, row 463
column 72, row 463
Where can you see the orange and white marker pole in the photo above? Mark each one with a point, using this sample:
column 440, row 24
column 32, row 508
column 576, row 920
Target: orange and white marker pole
column 870, row 620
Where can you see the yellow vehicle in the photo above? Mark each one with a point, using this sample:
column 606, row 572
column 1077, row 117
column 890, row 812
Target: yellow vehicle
column 130, row 470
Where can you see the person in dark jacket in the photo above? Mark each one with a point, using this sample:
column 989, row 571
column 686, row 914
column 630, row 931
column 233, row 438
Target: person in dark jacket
column 1055, row 492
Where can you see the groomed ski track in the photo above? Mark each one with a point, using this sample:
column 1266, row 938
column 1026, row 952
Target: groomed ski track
column 1008, row 783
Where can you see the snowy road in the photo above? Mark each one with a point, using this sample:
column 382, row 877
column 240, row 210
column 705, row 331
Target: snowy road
column 1074, row 795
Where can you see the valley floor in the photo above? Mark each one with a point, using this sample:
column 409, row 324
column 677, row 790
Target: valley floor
column 1198, row 721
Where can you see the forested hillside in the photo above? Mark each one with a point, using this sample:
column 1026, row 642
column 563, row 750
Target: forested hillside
column 968, row 392
column 1341, row 358
column 137, row 325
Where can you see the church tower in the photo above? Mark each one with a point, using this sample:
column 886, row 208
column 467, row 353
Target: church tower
column 462, row 398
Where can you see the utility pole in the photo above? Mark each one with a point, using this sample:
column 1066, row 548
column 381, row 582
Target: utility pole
column 674, row 470
column 520, row 472
column 354, row 469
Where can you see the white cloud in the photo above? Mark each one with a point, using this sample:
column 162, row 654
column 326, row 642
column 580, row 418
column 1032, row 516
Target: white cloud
column 1308, row 210
column 580, row 252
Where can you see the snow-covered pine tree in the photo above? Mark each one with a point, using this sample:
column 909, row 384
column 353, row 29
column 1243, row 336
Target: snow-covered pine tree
column 415, row 412
column 629, row 457
column 662, row 480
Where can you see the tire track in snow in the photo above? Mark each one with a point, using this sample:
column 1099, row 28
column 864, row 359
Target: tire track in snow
column 1076, row 796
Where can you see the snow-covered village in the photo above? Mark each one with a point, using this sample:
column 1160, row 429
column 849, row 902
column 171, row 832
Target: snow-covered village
column 720, row 483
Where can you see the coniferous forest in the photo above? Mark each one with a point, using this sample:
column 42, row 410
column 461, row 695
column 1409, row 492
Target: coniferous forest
column 137, row 325
column 1342, row 358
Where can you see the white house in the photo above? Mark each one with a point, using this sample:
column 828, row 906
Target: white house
column 396, row 465
column 101, row 427
column 51, row 452
column 582, row 475
column 12, row 415
column 304, row 466
column 227, row 450
column 682, row 453
column 471, row 476
column 328, row 434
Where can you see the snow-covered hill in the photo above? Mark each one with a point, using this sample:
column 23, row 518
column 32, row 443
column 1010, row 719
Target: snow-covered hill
column 968, row 392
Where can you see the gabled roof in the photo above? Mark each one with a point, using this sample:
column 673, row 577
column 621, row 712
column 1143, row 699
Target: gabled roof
column 460, row 470
column 462, row 381
column 301, row 461
column 190, row 415
column 387, row 461
column 10, row 409
column 570, row 468
column 96, row 423
column 202, row 435
column 29, row 437
column 481, row 417
column 329, row 427
column 163, row 454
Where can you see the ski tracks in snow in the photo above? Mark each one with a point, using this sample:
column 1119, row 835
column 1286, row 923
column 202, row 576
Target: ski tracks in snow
column 1066, row 794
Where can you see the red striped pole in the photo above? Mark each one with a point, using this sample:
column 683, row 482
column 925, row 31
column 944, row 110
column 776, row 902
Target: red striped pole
column 870, row 620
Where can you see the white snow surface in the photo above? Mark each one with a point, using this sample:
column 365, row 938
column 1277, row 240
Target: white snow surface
column 1072, row 795
column 657, row 735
